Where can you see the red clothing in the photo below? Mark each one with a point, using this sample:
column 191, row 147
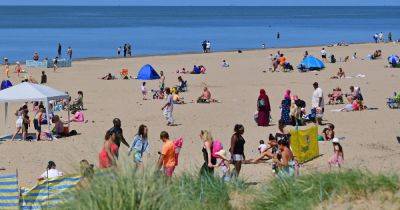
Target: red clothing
column 104, row 161
column 264, row 109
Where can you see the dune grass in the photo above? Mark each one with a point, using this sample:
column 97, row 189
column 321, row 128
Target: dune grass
column 149, row 190
column 308, row 191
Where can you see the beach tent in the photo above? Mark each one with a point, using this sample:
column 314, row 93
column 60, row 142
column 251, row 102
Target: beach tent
column 29, row 92
column 5, row 84
column 393, row 59
column 147, row 72
column 311, row 63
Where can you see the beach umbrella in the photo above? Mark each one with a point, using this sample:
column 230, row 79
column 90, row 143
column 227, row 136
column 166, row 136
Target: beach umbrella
column 5, row 84
column 147, row 72
column 393, row 59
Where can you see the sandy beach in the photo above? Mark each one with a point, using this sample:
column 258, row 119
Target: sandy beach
column 370, row 135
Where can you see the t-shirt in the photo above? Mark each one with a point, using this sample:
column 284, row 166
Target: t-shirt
column 315, row 98
column 52, row 173
column 168, row 152
column 262, row 148
column 282, row 60
column 170, row 102
column 323, row 52
column 118, row 135
column 143, row 88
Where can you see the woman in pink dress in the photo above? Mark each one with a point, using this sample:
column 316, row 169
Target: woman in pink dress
column 109, row 152
column 337, row 158
column 263, row 108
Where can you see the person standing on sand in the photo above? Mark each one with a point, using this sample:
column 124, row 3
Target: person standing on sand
column 204, row 46
column 323, row 55
column 140, row 145
column 119, row 136
column 168, row 107
column 6, row 68
column 237, row 148
column 167, row 159
column 59, row 48
column 119, row 51
column 55, row 63
column 278, row 35
column 162, row 81
column 43, row 79
column 69, row 53
column 125, row 49
column 263, row 108
column 208, row 46
column 390, row 37
column 317, row 101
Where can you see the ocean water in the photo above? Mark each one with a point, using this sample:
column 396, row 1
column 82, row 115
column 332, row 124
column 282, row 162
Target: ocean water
column 98, row 31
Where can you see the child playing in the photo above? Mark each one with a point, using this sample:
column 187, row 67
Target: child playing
column 337, row 158
column 144, row 90
column 329, row 133
column 225, row 168
column 262, row 147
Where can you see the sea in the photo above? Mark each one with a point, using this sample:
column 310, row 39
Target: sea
column 94, row 31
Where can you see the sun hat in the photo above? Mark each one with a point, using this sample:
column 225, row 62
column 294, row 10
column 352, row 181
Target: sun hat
column 222, row 154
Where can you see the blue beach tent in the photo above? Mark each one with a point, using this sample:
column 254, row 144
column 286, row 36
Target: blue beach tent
column 147, row 72
column 5, row 84
column 311, row 63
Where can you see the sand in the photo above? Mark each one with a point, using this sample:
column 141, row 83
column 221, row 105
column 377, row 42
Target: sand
column 370, row 136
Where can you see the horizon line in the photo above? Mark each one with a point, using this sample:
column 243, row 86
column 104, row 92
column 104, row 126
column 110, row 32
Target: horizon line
column 63, row 5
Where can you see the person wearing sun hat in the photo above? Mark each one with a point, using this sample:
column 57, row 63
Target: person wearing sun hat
column 224, row 165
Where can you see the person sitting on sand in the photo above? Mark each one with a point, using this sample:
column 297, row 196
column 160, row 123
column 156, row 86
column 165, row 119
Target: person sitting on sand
column 77, row 116
column 336, row 97
column 108, row 76
column 58, row 129
column 183, row 71
column 225, row 64
column 182, row 87
column 270, row 151
column 206, row 97
column 282, row 61
column 285, row 162
column 376, row 54
column 355, row 95
column 51, row 172
column 175, row 96
column 78, row 102
column 337, row 158
column 339, row 75
column 353, row 105
column 329, row 132
column 196, row 70
column 202, row 69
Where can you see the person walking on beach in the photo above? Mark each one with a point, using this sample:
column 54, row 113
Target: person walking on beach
column 6, row 68
column 278, row 35
column 317, row 102
column 390, row 37
column 140, row 145
column 375, row 37
column 59, row 50
column 129, row 50
column 208, row 46
column 119, row 136
column 237, row 148
column 167, row 159
column 168, row 107
column 109, row 153
column 209, row 161
column 69, row 53
column 162, row 81
column 119, row 51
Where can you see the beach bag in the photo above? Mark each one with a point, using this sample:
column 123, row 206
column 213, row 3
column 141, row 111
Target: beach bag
column 216, row 147
column 178, row 143
column 261, row 103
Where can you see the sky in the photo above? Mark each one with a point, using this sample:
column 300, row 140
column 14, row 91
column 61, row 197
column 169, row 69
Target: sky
column 206, row 2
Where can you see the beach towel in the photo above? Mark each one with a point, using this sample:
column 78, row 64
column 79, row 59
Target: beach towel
column 9, row 193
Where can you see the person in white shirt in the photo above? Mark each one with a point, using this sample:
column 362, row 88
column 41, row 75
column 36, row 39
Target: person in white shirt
column 144, row 90
column 323, row 54
column 262, row 147
column 317, row 101
column 51, row 172
column 225, row 64
column 208, row 46
column 168, row 107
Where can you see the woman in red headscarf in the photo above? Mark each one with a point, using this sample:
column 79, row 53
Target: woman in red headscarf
column 263, row 108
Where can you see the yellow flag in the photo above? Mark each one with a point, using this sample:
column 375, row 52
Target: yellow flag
column 304, row 144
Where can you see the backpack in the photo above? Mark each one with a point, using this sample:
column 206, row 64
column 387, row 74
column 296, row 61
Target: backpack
column 216, row 147
column 261, row 103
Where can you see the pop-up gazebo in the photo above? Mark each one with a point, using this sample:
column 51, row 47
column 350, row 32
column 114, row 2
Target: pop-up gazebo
column 29, row 92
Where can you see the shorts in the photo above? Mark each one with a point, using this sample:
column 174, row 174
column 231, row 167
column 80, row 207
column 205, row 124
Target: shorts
column 237, row 157
column 36, row 125
column 323, row 56
column 18, row 123
column 168, row 171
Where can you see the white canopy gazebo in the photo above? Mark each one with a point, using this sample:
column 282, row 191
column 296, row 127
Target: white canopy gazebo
column 29, row 92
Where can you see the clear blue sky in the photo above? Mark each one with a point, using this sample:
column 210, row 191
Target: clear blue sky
column 206, row 2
